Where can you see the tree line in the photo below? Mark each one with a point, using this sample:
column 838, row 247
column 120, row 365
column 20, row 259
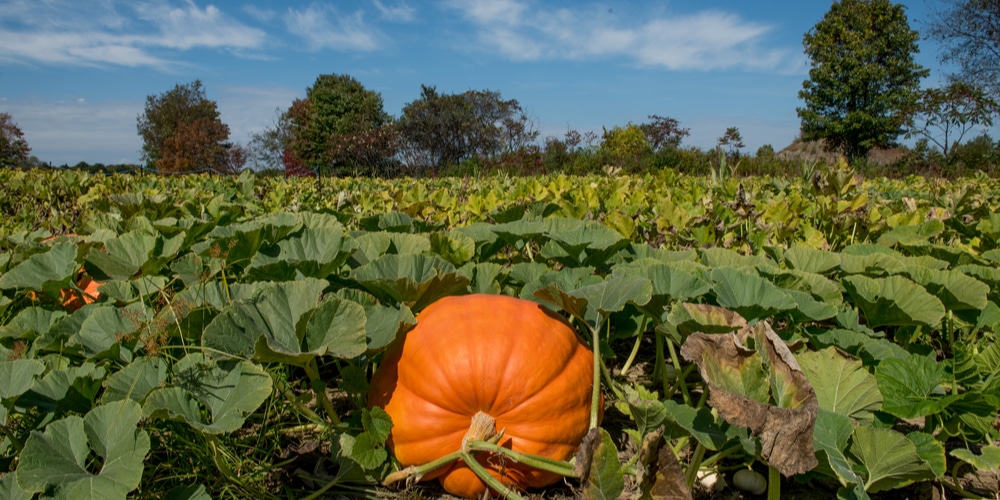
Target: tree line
column 863, row 92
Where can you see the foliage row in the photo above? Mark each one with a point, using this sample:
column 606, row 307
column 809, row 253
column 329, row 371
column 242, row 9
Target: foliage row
column 240, row 318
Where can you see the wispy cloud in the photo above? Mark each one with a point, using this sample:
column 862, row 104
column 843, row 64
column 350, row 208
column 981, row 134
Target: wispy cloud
column 260, row 14
column 711, row 39
column 110, row 32
column 401, row 13
column 322, row 26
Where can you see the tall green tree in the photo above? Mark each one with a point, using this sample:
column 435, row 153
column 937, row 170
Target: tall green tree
column 14, row 148
column 863, row 76
column 969, row 34
column 340, row 127
column 181, row 131
column 445, row 129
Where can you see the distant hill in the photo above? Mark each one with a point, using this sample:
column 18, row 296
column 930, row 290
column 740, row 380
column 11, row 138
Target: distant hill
column 815, row 151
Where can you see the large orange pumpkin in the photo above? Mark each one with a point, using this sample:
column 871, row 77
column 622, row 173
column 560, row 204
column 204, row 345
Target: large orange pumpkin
column 509, row 358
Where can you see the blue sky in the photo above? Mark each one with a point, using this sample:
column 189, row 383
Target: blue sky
column 75, row 74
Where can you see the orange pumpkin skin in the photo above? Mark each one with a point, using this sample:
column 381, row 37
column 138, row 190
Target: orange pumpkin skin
column 509, row 358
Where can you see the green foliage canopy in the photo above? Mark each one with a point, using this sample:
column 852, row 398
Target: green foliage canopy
column 181, row 131
column 862, row 78
column 338, row 112
column 444, row 129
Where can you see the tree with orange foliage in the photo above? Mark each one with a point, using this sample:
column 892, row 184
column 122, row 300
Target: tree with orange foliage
column 182, row 132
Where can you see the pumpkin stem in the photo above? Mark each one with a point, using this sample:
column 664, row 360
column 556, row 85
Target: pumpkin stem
column 482, row 428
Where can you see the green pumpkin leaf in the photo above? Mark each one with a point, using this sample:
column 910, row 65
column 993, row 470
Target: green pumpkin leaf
column 909, row 386
column 123, row 256
column 811, row 260
column 10, row 490
column 213, row 397
column 710, row 430
column 18, row 376
column 750, row 295
column 413, row 280
column 931, row 451
column 266, row 326
column 51, row 269
column 888, row 459
column 58, row 457
column 842, row 384
column 605, row 480
column 314, row 252
column 987, row 460
column 832, row 432
column 894, row 300
column 336, row 328
column 136, row 380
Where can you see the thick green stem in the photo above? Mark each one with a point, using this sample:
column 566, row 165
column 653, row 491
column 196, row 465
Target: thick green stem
column 595, row 394
column 677, row 369
column 694, row 465
column 319, row 389
column 773, row 483
column 635, row 347
column 486, row 477
column 533, row 461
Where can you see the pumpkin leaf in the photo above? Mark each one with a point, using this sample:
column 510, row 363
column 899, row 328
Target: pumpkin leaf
column 894, row 300
column 313, row 252
column 18, row 376
column 930, row 450
column 213, row 397
column 831, row 435
column 887, row 458
column 413, row 280
column 122, row 256
column 376, row 422
column 686, row 318
column 710, row 430
column 453, row 247
column 743, row 384
column 605, row 480
column 265, row 326
column 811, row 260
column 383, row 323
column 988, row 458
column 51, row 269
column 136, row 380
column 749, row 295
column 59, row 457
column 842, row 384
column 910, row 386
column 336, row 328
column 368, row 451
column 10, row 490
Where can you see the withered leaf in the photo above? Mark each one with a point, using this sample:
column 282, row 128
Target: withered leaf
column 784, row 423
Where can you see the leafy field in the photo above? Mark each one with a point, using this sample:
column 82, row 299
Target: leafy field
column 834, row 332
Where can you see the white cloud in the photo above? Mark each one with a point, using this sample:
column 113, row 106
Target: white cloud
column 100, row 33
column 401, row 13
column 712, row 39
column 323, row 27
